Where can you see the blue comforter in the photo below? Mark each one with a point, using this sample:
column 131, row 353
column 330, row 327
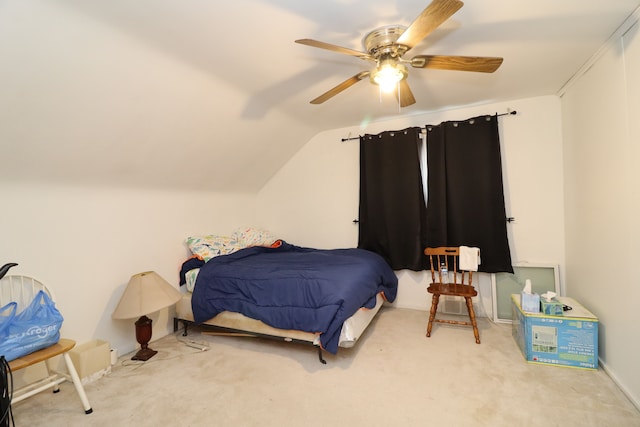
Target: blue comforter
column 291, row 287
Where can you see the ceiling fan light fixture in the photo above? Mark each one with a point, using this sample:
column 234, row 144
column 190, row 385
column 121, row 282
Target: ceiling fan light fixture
column 387, row 45
column 387, row 75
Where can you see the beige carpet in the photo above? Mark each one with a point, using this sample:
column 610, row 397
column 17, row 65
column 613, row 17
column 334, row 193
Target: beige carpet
column 393, row 377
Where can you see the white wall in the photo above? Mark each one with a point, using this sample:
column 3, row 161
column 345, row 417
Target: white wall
column 87, row 242
column 313, row 199
column 601, row 138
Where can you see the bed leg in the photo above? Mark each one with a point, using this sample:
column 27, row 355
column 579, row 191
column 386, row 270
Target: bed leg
column 176, row 325
column 324, row 362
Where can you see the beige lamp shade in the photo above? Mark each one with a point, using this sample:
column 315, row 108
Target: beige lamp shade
column 146, row 293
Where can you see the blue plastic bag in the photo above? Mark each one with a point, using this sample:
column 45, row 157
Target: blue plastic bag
column 36, row 327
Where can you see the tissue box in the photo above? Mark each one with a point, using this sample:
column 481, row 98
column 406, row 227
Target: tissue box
column 530, row 302
column 552, row 308
column 570, row 340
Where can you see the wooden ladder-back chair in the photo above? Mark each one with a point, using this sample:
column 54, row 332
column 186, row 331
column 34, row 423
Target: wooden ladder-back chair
column 23, row 290
column 461, row 285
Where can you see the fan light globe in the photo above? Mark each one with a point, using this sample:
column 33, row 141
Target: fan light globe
column 388, row 75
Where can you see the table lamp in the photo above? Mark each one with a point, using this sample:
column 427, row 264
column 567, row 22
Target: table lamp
column 146, row 293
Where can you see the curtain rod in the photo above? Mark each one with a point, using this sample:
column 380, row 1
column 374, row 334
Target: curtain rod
column 513, row 113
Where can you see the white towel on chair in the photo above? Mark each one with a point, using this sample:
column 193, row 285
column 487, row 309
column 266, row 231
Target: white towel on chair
column 469, row 258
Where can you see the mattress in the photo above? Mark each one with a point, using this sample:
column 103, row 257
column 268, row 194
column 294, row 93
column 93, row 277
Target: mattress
column 352, row 328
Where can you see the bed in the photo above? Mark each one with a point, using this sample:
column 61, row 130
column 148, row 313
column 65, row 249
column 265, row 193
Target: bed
column 278, row 290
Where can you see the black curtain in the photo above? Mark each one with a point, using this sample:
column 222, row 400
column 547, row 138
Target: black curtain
column 392, row 207
column 465, row 193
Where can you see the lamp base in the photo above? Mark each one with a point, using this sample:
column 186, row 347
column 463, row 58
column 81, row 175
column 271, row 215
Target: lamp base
column 144, row 354
column 143, row 336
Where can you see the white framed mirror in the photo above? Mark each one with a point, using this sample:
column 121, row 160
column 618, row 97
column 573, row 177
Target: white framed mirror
column 544, row 277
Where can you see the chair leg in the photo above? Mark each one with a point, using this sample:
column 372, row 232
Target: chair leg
column 56, row 386
column 472, row 316
column 432, row 314
column 77, row 383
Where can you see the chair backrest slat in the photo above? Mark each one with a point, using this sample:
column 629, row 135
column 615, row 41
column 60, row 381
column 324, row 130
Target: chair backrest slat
column 21, row 289
column 450, row 257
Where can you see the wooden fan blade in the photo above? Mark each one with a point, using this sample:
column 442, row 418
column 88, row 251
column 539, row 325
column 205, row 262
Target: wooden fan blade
column 334, row 48
column 430, row 19
column 406, row 97
column 482, row 64
column 339, row 88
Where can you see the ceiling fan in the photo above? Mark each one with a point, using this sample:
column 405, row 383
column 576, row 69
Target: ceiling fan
column 387, row 45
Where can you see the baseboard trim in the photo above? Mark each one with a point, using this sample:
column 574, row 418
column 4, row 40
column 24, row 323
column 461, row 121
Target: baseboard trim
column 620, row 385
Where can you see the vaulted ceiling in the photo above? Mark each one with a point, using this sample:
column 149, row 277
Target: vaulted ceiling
column 199, row 94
